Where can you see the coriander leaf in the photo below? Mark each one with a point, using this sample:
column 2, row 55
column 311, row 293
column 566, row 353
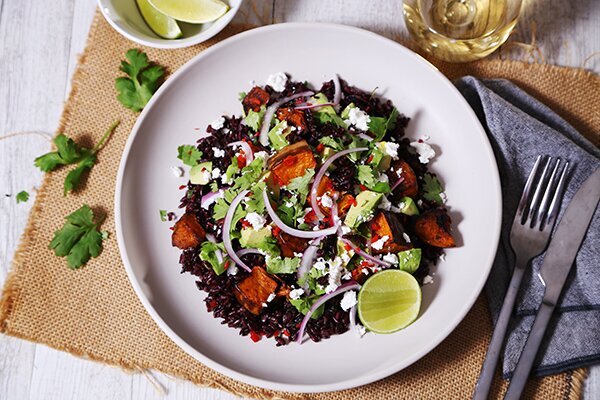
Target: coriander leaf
column 249, row 175
column 300, row 185
column 254, row 119
column 432, row 189
column 392, row 119
column 189, row 154
column 73, row 177
column 22, row 196
column 366, row 176
column 304, row 305
column 282, row 265
column 356, row 142
column 378, row 126
column 329, row 118
column 208, row 253
column 136, row 90
column 331, row 142
column 290, row 210
column 67, row 152
column 163, row 215
column 78, row 239
column 255, row 201
column 222, row 204
column 242, row 96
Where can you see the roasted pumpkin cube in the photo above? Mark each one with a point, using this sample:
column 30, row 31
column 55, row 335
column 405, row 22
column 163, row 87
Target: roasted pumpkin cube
column 291, row 162
column 387, row 224
column 290, row 244
column 187, row 232
column 293, row 117
column 362, row 272
column 255, row 98
column 325, row 186
column 433, row 227
column 344, row 204
column 402, row 170
column 255, row 290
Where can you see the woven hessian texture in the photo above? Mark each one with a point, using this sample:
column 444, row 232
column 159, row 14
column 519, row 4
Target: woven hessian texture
column 94, row 312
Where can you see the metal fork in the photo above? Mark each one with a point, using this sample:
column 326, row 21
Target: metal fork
column 533, row 222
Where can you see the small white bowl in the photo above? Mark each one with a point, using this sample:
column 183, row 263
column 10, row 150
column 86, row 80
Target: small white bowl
column 125, row 18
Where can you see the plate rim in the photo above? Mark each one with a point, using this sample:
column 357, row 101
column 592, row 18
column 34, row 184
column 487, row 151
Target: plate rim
column 294, row 387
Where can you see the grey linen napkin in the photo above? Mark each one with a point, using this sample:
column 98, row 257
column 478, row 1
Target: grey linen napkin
column 519, row 128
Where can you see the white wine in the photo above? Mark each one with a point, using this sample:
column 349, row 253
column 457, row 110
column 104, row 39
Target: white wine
column 460, row 30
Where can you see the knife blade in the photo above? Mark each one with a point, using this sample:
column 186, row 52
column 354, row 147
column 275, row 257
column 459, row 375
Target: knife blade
column 558, row 260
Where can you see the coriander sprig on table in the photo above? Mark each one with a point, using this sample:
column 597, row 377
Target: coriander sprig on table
column 68, row 152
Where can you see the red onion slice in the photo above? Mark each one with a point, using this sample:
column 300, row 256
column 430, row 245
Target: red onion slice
column 270, row 112
column 399, row 181
column 365, row 255
column 292, row 231
column 227, row 227
column 245, row 148
column 337, row 95
column 210, row 198
column 341, row 289
column 243, row 252
column 307, row 260
column 353, row 317
column 313, row 106
column 365, row 137
column 321, row 173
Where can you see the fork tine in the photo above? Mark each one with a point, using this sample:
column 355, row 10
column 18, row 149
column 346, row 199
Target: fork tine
column 533, row 208
column 555, row 205
column 527, row 188
column 550, row 187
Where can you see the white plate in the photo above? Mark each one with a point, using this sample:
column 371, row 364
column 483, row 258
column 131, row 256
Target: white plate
column 207, row 87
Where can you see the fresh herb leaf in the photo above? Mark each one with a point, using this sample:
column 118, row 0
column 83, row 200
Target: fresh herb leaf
column 78, row 239
column 250, row 173
column 255, row 201
column 242, row 96
column 67, row 152
column 290, row 210
column 277, row 135
column 22, row 196
column 282, row 265
column 254, row 119
column 189, row 154
column 331, row 142
column 301, row 185
column 432, row 189
column 73, row 177
column 143, row 81
column 163, row 215
column 304, row 304
column 366, row 176
column 379, row 125
column 222, row 204
column 208, row 253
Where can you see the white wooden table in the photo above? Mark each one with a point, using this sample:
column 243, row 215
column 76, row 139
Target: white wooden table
column 39, row 44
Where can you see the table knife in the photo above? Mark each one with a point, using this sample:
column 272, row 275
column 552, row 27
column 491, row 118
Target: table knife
column 557, row 263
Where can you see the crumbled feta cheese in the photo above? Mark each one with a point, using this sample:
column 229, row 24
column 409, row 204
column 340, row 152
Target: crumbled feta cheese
column 206, row 175
column 378, row 244
column 232, row 270
column 271, row 297
column 406, row 237
column 424, row 150
column 346, row 229
column 391, row 149
column 361, row 330
column 383, row 178
column 443, row 257
column 320, row 264
column 391, row 258
column 385, row 204
column 256, row 220
column 331, row 288
column 296, row 293
column 277, row 81
column 216, row 173
column 261, row 154
column 399, row 172
column 218, row 123
column 218, row 152
column 177, row 172
column 326, row 201
column 358, row 118
column 420, row 203
column 347, row 276
column 443, row 197
column 300, row 220
column 349, row 300
column 299, row 255
column 264, row 305
column 427, row 280
column 335, row 275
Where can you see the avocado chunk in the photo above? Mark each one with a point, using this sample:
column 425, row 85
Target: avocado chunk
column 201, row 173
column 380, row 159
column 343, row 253
column 254, row 238
column 360, row 212
column 277, row 135
column 408, row 206
column 409, row 260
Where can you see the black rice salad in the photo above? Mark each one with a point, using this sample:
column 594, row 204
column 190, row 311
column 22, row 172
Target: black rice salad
column 293, row 205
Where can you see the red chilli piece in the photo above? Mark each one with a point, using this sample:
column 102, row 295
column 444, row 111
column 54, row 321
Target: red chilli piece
column 320, row 147
column 182, row 187
column 255, row 336
column 363, row 187
column 241, row 159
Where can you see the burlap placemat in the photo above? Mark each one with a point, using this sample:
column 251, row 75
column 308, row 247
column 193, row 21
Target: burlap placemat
column 94, row 312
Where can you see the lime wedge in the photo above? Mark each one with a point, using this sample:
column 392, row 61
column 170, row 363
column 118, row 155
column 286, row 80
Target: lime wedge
column 192, row 11
column 389, row 301
column 164, row 26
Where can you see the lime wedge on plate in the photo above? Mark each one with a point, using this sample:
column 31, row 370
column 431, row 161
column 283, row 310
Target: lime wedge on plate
column 192, row 11
column 389, row 301
column 164, row 26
